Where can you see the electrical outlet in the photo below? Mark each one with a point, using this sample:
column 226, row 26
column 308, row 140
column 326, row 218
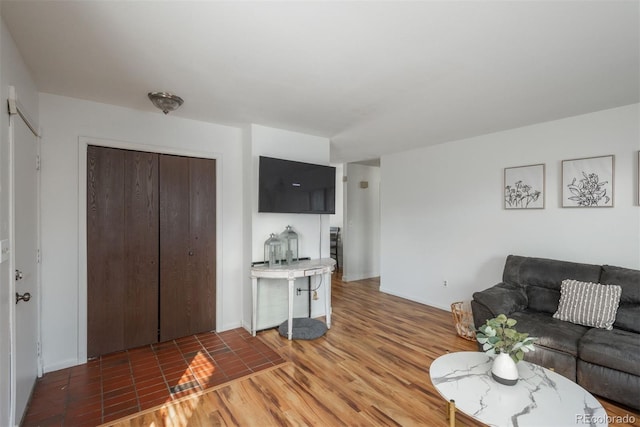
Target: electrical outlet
column 444, row 283
column 298, row 291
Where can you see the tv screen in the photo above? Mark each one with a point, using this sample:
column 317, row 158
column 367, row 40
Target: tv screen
column 287, row 186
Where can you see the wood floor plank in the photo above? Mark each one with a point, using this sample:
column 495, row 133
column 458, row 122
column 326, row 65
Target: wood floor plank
column 370, row 369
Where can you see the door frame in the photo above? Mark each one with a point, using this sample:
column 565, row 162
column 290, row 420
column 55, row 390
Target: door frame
column 83, row 143
column 17, row 112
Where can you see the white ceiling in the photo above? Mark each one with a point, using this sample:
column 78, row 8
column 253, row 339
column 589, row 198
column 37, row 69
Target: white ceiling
column 375, row 77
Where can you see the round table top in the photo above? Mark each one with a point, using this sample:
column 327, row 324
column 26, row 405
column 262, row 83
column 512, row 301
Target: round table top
column 540, row 397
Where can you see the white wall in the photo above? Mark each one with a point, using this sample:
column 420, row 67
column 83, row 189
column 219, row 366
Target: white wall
column 442, row 215
column 312, row 229
column 12, row 72
column 64, row 121
column 361, row 236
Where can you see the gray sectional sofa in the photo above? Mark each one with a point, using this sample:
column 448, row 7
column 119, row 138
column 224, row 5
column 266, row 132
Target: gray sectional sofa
column 605, row 362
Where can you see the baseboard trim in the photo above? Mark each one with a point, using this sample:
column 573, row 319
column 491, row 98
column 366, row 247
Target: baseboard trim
column 230, row 326
column 418, row 300
column 359, row 276
column 61, row 365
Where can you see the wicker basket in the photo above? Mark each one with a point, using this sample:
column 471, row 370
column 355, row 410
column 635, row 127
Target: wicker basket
column 463, row 318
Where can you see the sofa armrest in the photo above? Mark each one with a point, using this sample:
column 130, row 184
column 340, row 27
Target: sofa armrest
column 502, row 298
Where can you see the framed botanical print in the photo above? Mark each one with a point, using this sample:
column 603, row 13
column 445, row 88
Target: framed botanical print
column 588, row 182
column 524, row 187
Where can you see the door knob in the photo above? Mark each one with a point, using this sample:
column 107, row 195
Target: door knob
column 19, row 274
column 24, row 297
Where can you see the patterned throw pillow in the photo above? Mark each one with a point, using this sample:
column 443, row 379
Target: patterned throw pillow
column 589, row 304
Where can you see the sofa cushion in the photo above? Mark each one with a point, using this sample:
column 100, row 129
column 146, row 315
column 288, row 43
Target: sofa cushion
column 541, row 299
column 549, row 273
column 615, row 349
column 511, row 273
column 560, row 362
column 589, row 304
column 627, row 279
column 628, row 318
column 610, row 383
column 502, row 298
column 542, row 278
column 551, row 333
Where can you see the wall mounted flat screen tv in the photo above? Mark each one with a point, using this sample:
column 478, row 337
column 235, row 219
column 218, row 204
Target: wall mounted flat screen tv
column 286, row 186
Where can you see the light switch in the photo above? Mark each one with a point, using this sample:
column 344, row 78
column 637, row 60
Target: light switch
column 4, row 248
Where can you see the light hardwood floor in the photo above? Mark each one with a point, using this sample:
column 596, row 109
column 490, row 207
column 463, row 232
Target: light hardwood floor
column 371, row 369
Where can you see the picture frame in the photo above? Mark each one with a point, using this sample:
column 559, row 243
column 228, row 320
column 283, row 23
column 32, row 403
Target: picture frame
column 524, row 187
column 588, row 182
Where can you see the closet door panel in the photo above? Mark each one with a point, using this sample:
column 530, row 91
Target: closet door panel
column 122, row 250
column 141, row 249
column 175, row 301
column 187, row 254
column 203, row 243
column 105, row 250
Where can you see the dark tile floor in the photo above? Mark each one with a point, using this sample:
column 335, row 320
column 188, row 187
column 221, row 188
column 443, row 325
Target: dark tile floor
column 120, row 384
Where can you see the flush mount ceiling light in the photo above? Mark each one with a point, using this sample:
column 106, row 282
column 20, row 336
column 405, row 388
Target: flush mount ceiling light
column 165, row 101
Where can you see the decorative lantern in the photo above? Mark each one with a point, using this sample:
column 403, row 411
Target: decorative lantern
column 289, row 240
column 272, row 251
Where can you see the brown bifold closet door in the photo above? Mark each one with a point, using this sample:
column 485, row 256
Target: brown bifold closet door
column 122, row 249
column 187, row 246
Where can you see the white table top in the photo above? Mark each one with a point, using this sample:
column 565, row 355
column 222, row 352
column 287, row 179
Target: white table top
column 297, row 268
column 540, row 398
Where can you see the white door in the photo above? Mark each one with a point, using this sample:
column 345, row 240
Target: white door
column 25, row 238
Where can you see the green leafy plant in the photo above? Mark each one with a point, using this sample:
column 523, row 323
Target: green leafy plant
column 498, row 335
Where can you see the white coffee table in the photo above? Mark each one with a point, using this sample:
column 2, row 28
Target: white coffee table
column 540, row 398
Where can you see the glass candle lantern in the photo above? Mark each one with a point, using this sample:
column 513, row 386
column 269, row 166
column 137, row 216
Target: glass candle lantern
column 289, row 240
column 272, row 251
